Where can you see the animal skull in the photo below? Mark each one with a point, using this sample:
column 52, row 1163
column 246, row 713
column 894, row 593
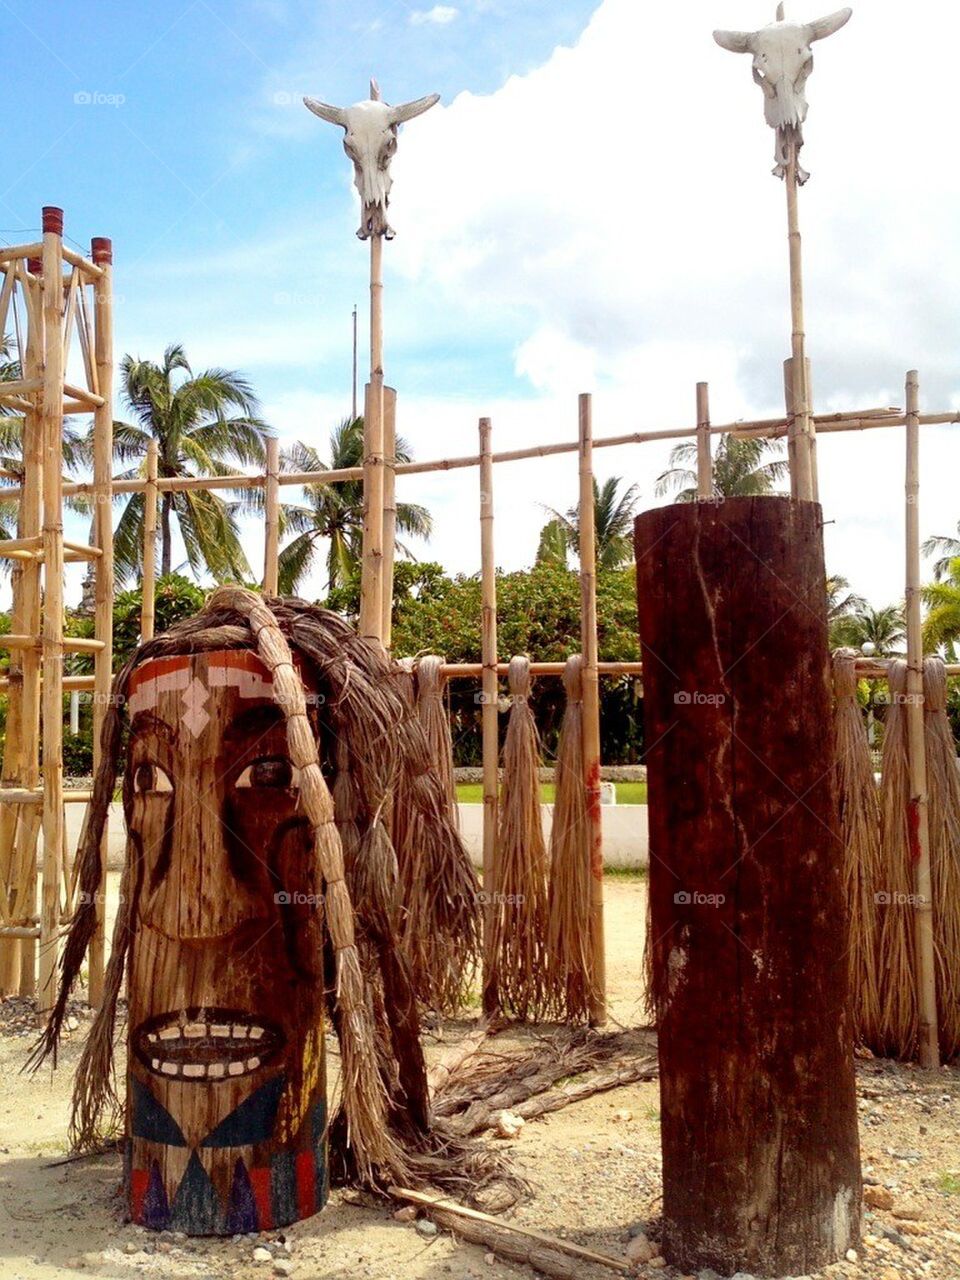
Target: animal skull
column 782, row 61
column 370, row 140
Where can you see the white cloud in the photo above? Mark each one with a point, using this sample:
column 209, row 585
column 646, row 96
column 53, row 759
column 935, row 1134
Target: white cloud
column 619, row 199
column 440, row 15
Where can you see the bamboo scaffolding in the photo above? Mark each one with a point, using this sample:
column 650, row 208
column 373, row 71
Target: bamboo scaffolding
column 389, row 513
column 916, row 751
column 102, row 377
column 587, row 543
column 489, row 713
column 704, row 460
column 271, row 539
column 51, row 419
column 148, row 580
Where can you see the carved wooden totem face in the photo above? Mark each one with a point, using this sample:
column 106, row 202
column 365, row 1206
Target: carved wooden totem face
column 226, row 1116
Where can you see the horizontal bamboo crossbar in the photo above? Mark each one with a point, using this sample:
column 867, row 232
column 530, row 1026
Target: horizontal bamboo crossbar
column 71, row 684
column 20, row 387
column 20, row 931
column 14, row 252
column 465, row 670
column 30, row 795
column 79, row 551
column 859, row 420
column 87, row 267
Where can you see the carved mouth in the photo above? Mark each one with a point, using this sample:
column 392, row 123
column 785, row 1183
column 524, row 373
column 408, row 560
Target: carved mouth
column 206, row 1044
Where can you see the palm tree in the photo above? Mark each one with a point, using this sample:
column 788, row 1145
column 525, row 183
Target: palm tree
column 949, row 549
column 334, row 512
column 942, row 625
column 613, row 518
column 204, row 424
column 884, row 628
column 739, row 469
column 842, row 603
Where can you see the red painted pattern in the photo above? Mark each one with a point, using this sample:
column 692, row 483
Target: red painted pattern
column 139, row 1181
column 260, row 1182
column 306, row 1184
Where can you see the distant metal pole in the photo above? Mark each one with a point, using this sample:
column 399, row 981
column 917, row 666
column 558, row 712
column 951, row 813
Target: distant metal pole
column 353, row 416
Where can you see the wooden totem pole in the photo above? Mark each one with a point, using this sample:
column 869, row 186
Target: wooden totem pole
column 226, row 1114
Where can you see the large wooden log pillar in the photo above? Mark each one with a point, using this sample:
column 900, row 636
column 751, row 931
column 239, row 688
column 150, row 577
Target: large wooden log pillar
column 761, row 1167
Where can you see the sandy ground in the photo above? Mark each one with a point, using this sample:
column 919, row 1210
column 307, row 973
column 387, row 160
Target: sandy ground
column 594, row 1169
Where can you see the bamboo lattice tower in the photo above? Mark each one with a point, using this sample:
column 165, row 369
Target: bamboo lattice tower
column 46, row 288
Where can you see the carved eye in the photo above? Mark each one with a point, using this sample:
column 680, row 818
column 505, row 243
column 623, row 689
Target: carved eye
column 151, row 779
column 272, row 771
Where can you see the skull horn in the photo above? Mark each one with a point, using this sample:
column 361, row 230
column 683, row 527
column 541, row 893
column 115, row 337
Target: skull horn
column 335, row 115
column 735, row 41
column 827, row 26
column 374, row 90
column 407, row 110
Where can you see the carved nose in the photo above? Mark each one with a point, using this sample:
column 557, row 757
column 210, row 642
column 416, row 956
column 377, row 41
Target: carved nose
column 200, row 896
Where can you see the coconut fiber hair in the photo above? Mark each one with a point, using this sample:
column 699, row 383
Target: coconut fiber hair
column 365, row 738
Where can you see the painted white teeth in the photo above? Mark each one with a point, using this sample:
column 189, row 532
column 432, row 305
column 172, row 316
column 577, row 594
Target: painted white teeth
column 252, row 1064
column 256, row 1033
column 169, row 1068
column 219, row 1029
column 170, row 1033
column 194, row 1070
column 194, row 1030
column 239, row 1033
column 236, row 1069
column 155, row 1063
column 216, row 1070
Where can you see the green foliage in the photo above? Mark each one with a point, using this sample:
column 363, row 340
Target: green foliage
column 742, row 468
column 613, row 514
column 176, row 597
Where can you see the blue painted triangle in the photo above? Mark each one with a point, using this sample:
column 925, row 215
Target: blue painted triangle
column 242, row 1209
column 153, row 1121
column 156, row 1209
column 253, row 1121
column 196, row 1206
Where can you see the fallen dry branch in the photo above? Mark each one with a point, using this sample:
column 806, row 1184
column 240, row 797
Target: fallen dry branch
column 446, row 1067
column 568, row 1052
column 626, row 1073
column 547, row 1254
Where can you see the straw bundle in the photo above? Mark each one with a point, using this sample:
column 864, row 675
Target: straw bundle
column 899, row 1017
column 568, row 927
column 373, row 747
column 519, row 928
column 438, row 924
column 860, row 832
column 943, row 799
column 435, row 722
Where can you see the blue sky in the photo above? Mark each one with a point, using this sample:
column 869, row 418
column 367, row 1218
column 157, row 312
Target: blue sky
column 590, row 208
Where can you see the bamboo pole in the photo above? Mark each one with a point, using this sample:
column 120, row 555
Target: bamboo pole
column 371, row 584
column 798, row 407
column 389, row 512
column 918, row 825
column 52, row 697
column 148, row 583
column 591, row 710
column 704, row 461
column 102, row 255
column 465, row 670
column 29, row 664
column 271, row 545
column 489, row 713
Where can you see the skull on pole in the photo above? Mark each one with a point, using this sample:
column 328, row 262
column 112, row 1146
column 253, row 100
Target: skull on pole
column 782, row 62
column 370, row 140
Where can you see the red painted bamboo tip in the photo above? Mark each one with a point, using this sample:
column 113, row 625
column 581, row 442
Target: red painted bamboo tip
column 101, row 250
column 52, row 219
column 35, row 266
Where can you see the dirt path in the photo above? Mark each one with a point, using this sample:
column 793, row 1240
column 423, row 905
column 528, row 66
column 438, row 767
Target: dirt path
column 595, row 1171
